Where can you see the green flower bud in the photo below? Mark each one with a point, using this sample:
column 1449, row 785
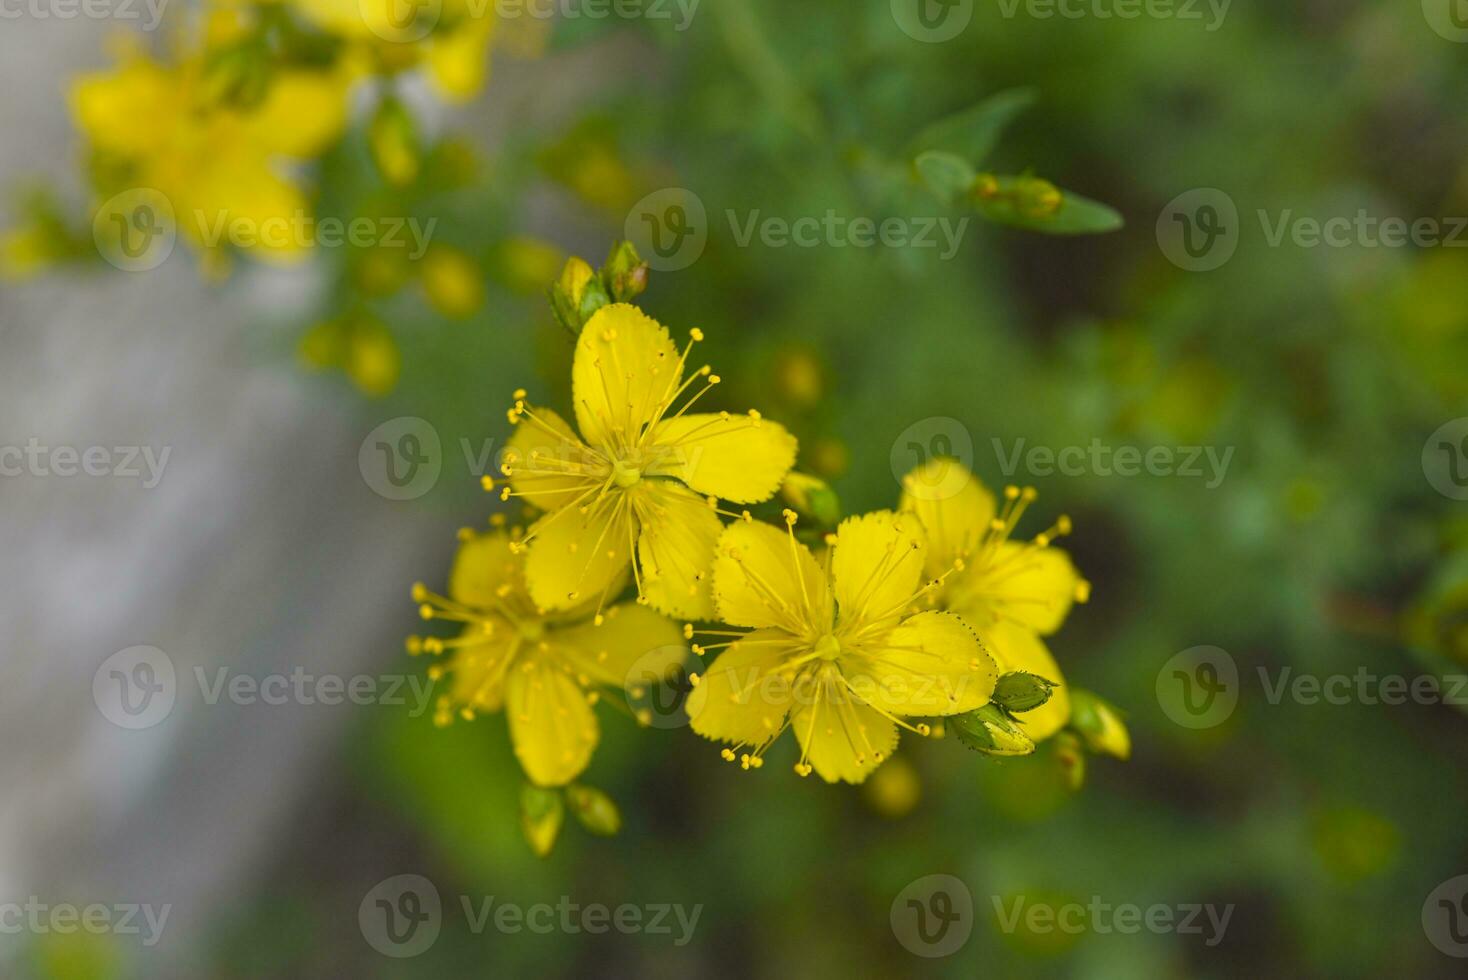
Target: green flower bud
column 1099, row 724
column 541, row 816
column 812, row 497
column 993, row 731
column 393, row 138
column 624, row 274
column 1021, row 691
column 594, row 809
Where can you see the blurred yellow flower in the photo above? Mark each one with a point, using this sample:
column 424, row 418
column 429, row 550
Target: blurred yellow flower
column 453, row 282
column 450, row 38
column 835, row 652
column 1011, row 593
column 544, row 669
column 894, row 789
column 632, row 480
column 216, row 160
column 361, row 346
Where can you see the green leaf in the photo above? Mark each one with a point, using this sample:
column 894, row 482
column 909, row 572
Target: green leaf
column 991, row 730
column 973, row 133
column 947, row 175
column 1038, row 205
column 1022, row 691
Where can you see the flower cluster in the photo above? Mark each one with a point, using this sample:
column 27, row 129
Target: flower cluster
column 234, row 132
column 927, row 618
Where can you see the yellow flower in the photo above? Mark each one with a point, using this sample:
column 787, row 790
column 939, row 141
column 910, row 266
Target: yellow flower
column 452, row 38
column 835, row 652
column 633, row 480
column 1011, row 593
column 216, row 162
column 453, row 282
column 544, row 669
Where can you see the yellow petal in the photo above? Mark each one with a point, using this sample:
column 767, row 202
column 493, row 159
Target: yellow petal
column 551, row 723
column 1017, row 648
column 537, row 454
column 876, row 566
column 485, row 570
column 742, row 458
column 125, row 111
column 675, row 550
column 630, row 636
column 1035, row 586
column 763, row 577
column 625, row 369
column 931, row 664
column 954, row 506
column 243, row 196
column 575, row 556
column 459, row 60
column 742, row 697
column 478, row 669
column 842, row 738
column 304, row 112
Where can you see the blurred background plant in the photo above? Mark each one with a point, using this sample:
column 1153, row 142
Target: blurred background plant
column 1323, row 549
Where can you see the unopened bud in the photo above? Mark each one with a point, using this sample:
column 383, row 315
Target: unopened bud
column 594, row 809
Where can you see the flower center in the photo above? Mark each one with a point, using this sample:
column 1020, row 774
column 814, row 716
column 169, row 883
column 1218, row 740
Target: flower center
column 625, row 474
column 828, row 647
column 531, row 629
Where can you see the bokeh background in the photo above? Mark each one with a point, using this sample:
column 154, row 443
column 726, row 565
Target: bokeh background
column 1327, row 546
